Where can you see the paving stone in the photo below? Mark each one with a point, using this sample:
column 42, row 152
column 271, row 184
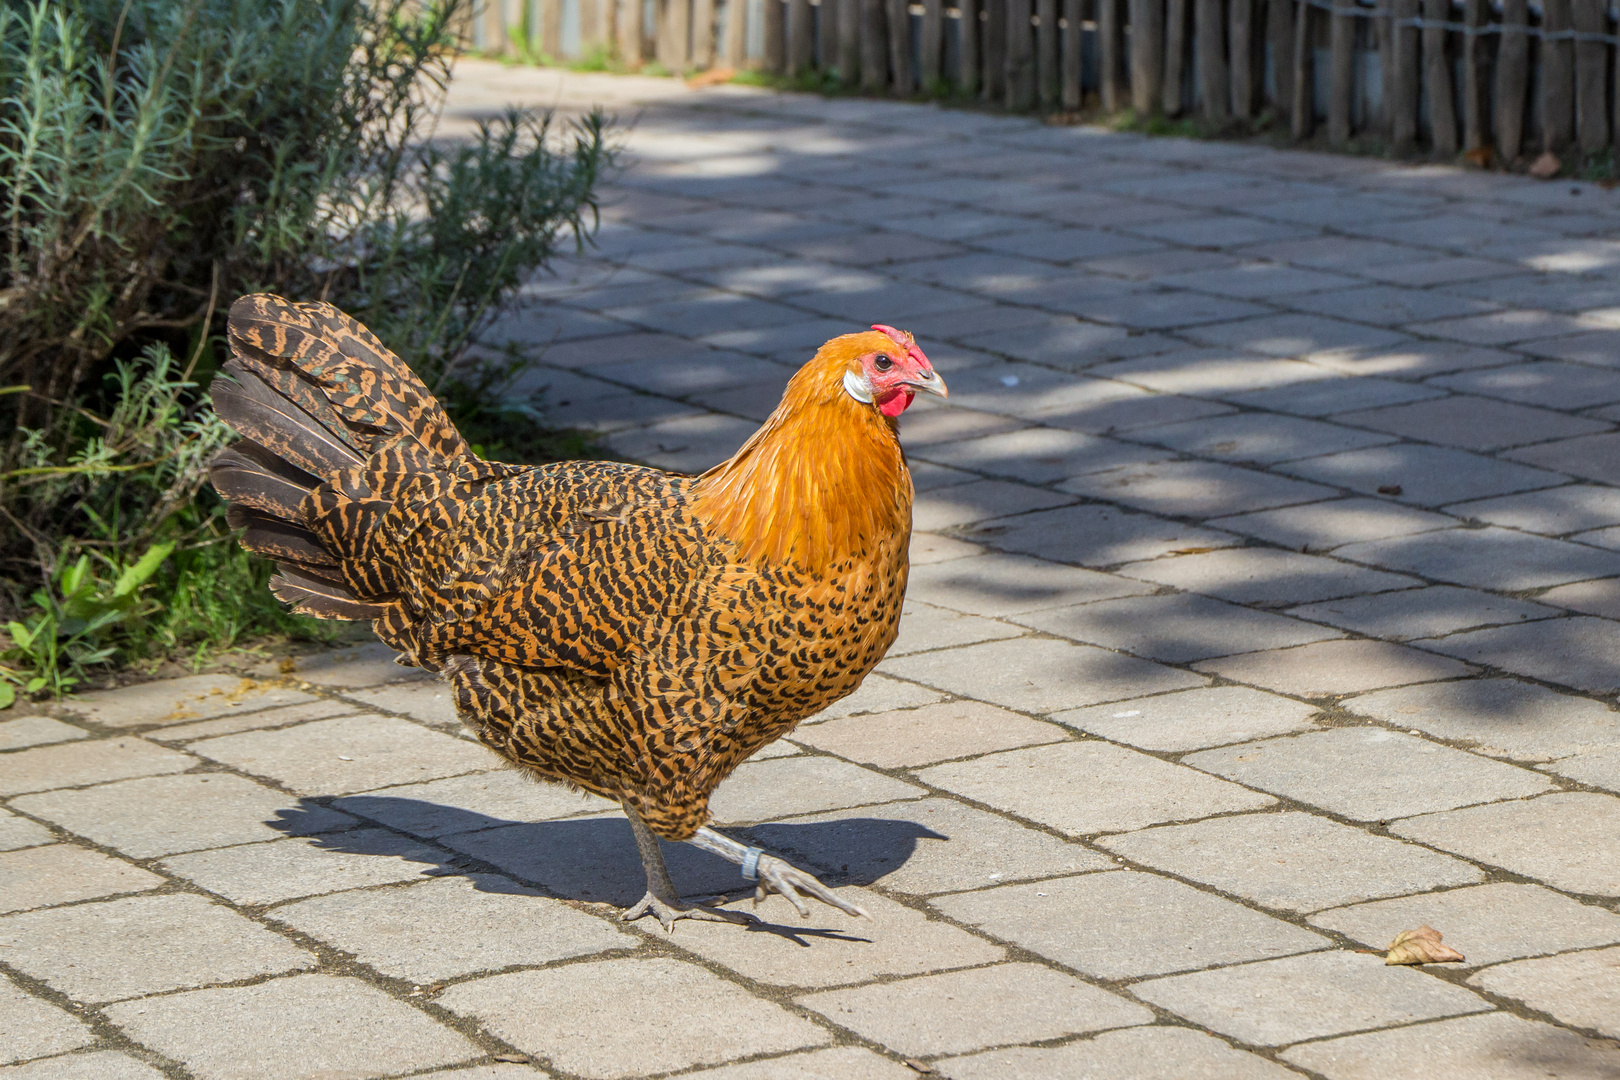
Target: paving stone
column 1425, row 475
column 556, row 1014
column 1549, row 383
column 1473, row 423
column 1330, row 668
column 62, row 873
column 1502, row 327
column 233, row 723
column 35, row 1029
column 1095, row 535
column 924, row 626
column 1492, row 558
column 1124, row 924
column 199, row 697
column 1001, row 672
column 142, row 945
column 932, row 733
column 1192, row 719
column 76, row 764
column 1592, row 457
column 924, row 847
column 1175, row 629
column 1418, row 613
column 1259, row 438
column 428, row 702
column 1579, row 653
column 162, row 815
column 1296, row 335
column 1502, row 717
column 1599, row 597
column 967, row 1010
column 452, row 927
column 97, row 1065
column 878, row 693
column 1498, row 1046
column 1275, row 1002
column 484, row 1072
column 1104, row 407
column 1564, row 839
column 1581, row 989
column 1339, row 394
column 1369, row 774
column 1486, row 923
column 762, row 790
column 1291, row 861
column 1416, row 359
column 267, row 873
column 1553, row 511
column 468, row 803
column 18, row 832
column 1323, row 526
column 1217, row 372
column 363, row 665
column 1124, row 789
column 286, row 1029
column 37, row 731
column 844, row 1062
column 1143, row 1053
column 1197, row 489
column 1386, row 306
column 997, row 585
column 962, row 504
column 346, row 754
column 1042, row 455
column 1600, row 768
column 1265, row 576
column 928, row 548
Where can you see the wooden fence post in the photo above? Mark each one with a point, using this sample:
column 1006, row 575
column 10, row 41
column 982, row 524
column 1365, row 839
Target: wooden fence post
column 1437, row 78
column 1341, row 75
column 801, row 41
column 1304, row 103
column 1111, row 45
column 1404, row 101
column 590, row 29
column 775, row 37
column 1476, row 62
column 900, row 74
column 1591, row 76
column 967, row 47
column 1047, row 36
column 993, row 50
column 1073, row 88
column 629, row 27
column 1280, row 33
column 874, row 46
column 493, row 27
column 1240, row 41
column 736, row 51
column 703, row 34
column 1512, row 80
column 1020, row 56
column 849, row 40
column 1213, row 81
column 551, row 28
column 1147, row 54
column 1175, row 56
column 827, row 26
column 933, row 42
column 1557, row 78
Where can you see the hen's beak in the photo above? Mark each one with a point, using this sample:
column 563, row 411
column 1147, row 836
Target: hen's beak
column 928, row 382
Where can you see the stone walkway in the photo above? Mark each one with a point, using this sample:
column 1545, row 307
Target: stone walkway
column 1264, row 607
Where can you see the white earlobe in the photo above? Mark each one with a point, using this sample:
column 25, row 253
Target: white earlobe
column 857, row 388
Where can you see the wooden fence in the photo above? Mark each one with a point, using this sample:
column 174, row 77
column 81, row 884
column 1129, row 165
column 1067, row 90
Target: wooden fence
column 1447, row 75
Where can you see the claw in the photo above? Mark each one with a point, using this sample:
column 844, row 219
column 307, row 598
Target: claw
column 785, row 879
column 666, row 912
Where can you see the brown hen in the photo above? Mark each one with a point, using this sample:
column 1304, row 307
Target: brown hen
column 616, row 628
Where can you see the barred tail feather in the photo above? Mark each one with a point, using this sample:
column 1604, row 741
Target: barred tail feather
column 313, row 596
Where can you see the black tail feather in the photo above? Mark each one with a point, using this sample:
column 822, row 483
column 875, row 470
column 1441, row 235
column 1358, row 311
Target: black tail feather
column 249, row 475
column 312, row 596
column 255, row 409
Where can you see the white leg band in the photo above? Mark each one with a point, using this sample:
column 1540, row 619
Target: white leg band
column 750, row 863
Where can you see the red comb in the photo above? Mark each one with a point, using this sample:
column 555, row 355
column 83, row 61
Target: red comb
column 904, row 340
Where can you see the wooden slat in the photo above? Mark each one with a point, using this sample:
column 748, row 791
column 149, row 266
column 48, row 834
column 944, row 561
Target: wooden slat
column 1512, row 82
column 1475, row 70
column 1403, row 108
column 1437, row 78
column 993, row 50
column 1072, row 98
column 827, row 13
column 629, row 27
column 1046, row 52
column 551, row 27
column 775, row 36
column 849, row 40
column 1303, row 107
column 1147, row 54
column 801, row 40
column 1591, row 77
column 1175, row 55
column 1341, row 75
column 492, row 28
column 1020, row 56
column 736, row 35
column 1240, row 40
column 610, row 24
column 1280, row 36
column 1214, row 84
column 1384, row 27
column 1557, row 78
column 590, row 26
column 702, row 34
column 874, row 46
column 1111, row 43
column 967, row 47
column 900, row 73
column 932, row 44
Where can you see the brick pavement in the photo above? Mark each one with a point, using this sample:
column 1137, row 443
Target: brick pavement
column 1267, row 571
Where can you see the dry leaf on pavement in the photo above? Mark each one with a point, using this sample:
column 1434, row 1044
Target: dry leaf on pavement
column 712, row 77
column 1420, row 946
column 1546, row 166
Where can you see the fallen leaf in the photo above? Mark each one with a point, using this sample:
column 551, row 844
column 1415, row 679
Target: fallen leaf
column 919, row 1066
column 1191, row 551
column 288, row 665
column 1547, row 166
column 516, row 1059
column 712, row 77
column 1390, row 489
column 1481, row 156
column 1421, row 946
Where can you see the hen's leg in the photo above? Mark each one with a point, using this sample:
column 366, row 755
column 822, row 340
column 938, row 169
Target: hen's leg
column 774, row 875
column 661, row 899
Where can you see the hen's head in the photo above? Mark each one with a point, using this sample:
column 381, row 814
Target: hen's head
column 882, row 367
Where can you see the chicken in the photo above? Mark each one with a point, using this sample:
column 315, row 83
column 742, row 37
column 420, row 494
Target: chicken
column 619, row 629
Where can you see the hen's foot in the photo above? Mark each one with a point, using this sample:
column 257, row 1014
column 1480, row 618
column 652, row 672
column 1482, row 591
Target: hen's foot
column 667, row 911
column 780, row 876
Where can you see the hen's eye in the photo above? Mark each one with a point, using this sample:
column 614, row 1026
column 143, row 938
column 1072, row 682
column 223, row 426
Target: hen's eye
column 882, row 363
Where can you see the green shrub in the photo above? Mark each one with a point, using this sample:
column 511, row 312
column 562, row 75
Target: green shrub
column 160, row 158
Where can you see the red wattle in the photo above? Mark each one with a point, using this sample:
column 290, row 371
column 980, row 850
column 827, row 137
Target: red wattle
column 895, row 404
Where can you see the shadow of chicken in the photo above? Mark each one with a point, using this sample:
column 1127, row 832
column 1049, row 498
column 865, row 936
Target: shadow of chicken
column 612, row 627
